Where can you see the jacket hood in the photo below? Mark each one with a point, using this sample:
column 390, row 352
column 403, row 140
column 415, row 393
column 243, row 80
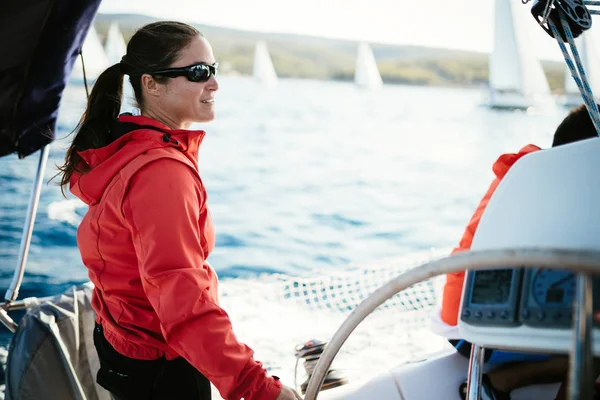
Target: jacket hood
column 506, row 161
column 137, row 135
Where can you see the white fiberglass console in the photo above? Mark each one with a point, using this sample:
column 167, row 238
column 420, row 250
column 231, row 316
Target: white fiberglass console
column 550, row 200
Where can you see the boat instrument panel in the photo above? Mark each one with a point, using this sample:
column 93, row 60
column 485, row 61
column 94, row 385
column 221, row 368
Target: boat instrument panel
column 522, row 308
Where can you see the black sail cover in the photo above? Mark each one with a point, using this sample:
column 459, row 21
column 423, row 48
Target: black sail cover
column 40, row 41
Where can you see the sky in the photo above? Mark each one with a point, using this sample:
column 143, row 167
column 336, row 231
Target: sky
column 457, row 24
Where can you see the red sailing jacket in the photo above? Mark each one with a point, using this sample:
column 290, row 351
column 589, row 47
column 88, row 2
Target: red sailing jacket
column 145, row 240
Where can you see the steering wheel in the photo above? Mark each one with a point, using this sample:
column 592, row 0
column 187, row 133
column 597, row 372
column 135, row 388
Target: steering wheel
column 575, row 260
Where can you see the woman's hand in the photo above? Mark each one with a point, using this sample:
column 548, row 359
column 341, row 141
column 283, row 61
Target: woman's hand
column 288, row 394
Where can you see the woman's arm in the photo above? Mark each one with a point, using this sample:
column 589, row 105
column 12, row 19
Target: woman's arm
column 162, row 207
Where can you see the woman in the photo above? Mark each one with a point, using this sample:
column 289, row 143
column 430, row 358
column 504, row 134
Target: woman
column 160, row 333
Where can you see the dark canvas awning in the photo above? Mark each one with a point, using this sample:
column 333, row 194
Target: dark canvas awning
column 39, row 43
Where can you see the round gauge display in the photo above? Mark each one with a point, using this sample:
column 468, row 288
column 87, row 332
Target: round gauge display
column 552, row 288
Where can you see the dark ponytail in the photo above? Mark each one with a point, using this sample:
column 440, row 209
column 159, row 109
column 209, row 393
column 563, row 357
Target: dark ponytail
column 94, row 128
column 154, row 46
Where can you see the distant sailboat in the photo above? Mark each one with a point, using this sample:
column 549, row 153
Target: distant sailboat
column 115, row 48
column 588, row 50
column 263, row 70
column 516, row 77
column 366, row 74
column 94, row 57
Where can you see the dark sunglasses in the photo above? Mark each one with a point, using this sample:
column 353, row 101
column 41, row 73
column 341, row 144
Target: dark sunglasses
column 195, row 73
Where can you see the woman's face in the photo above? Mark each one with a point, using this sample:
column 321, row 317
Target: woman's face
column 183, row 102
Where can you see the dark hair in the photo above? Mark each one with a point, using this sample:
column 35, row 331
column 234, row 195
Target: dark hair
column 154, row 46
column 576, row 126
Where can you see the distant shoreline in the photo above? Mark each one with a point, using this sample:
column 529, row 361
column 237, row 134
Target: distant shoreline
column 297, row 56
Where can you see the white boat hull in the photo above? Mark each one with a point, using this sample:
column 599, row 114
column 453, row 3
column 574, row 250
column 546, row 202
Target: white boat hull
column 573, row 100
column 510, row 101
column 517, row 101
column 437, row 377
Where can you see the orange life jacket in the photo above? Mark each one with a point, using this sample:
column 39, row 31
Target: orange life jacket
column 454, row 282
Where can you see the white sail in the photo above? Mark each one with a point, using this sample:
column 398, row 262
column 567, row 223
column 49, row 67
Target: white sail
column 366, row 73
column 588, row 51
column 114, row 47
column 94, row 57
column 516, row 76
column 263, row 70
